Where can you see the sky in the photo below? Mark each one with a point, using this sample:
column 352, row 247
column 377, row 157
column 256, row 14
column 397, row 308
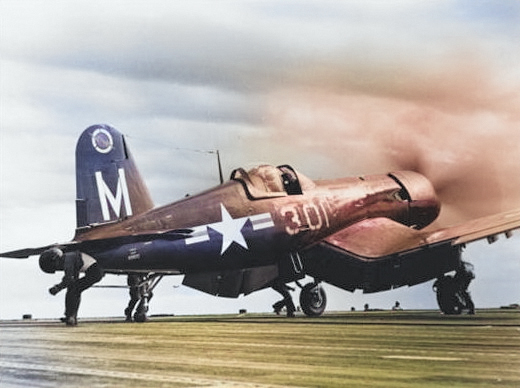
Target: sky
column 333, row 88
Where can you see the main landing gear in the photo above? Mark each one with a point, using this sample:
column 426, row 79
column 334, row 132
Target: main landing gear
column 452, row 291
column 141, row 287
column 313, row 299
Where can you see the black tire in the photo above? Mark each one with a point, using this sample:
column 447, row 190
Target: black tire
column 140, row 313
column 448, row 299
column 313, row 300
column 140, row 317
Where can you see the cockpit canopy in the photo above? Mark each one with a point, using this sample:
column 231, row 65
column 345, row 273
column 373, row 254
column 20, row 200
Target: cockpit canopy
column 267, row 181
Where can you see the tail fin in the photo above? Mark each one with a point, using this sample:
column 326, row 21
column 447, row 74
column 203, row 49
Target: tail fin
column 108, row 184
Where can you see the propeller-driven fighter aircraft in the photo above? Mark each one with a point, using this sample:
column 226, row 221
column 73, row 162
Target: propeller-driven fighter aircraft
column 267, row 227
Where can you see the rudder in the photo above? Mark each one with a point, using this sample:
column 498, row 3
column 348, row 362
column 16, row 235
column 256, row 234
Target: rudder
column 108, row 184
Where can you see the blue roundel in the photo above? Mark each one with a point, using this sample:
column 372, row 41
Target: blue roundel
column 102, row 141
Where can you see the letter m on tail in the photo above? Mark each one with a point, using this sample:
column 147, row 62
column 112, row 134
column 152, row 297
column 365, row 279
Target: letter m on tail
column 107, row 198
column 108, row 184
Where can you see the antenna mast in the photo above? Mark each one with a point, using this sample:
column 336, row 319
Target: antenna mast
column 220, row 168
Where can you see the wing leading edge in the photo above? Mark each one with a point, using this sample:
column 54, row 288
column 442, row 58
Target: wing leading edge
column 379, row 254
column 380, row 237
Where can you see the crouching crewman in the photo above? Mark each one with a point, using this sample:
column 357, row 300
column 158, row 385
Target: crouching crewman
column 72, row 263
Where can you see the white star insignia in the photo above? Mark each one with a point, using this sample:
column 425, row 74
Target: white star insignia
column 230, row 229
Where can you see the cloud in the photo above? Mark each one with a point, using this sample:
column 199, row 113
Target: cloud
column 456, row 121
column 249, row 47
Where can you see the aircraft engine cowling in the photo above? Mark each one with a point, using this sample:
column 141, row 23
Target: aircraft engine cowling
column 424, row 205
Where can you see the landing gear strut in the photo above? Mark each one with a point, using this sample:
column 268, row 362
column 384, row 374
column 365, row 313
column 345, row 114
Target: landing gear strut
column 313, row 299
column 452, row 291
column 141, row 294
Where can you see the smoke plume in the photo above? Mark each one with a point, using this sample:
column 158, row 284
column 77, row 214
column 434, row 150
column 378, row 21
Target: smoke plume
column 459, row 126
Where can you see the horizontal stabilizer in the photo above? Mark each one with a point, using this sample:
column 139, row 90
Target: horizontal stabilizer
column 27, row 252
column 176, row 234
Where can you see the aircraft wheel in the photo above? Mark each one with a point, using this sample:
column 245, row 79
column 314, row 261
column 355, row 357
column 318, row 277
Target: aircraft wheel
column 140, row 313
column 140, row 317
column 448, row 297
column 313, row 299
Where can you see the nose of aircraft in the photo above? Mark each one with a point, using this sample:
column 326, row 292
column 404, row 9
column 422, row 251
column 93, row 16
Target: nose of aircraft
column 424, row 205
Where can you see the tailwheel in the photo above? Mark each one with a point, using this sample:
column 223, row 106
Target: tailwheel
column 313, row 299
column 146, row 294
column 448, row 297
column 140, row 318
column 141, row 311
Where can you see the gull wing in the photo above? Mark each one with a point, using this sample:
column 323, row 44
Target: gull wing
column 380, row 237
column 380, row 254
